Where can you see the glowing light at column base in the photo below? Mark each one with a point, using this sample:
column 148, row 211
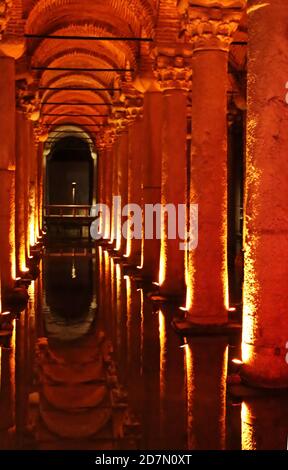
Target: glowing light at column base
column 250, row 300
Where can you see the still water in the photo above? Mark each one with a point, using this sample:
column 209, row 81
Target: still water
column 93, row 364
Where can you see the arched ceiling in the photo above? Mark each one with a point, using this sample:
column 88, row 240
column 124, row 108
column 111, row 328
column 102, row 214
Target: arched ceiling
column 67, row 70
column 73, row 91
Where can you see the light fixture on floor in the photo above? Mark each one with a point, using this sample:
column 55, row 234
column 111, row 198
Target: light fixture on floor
column 183, row 309
column 184, row 343
column 232, row 309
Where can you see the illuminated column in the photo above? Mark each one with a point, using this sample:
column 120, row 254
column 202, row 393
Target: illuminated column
column 40, row 186
column 32, row 189
column 135, row 169
column 20, row 193
column 122, row 187
column 7, row 172
column 106, row 169
column 101, row 186
column 265, row 327
column 115, row 192
column 108, row 184
column 207, row 279
column 174, row 75
column 151, row 171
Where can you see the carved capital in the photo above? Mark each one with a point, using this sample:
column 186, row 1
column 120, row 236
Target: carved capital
column 28, row 101
column 173, row 72
column 40, row 131
column 134, row 105
column 211, row 27
column 119, row 118
column 106, row 137
column 5, row 10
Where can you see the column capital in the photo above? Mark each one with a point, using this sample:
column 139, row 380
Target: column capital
column 5, row 11
column 40, row 132
column 119, row 119
column 134, row 105
column 173, row 72
column 210, row 25
column 106, row 138
column 27, row 100
column 12, row 43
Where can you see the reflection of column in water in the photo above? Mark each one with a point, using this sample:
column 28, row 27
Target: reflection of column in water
column 134, row 345
column 206, row 366
column 102, row 317
column 121, row 308
column 265, row 423
column 150, row 378
column 129, row 313
column 113, row 312
column 172, row 381
column 141, row 329
column 106, row 306
column 162, row 341
column 7, row 392
column 39, row 305
column 21, row 375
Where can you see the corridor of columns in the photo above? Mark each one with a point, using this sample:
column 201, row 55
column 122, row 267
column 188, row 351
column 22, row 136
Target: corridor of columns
column 143, row 225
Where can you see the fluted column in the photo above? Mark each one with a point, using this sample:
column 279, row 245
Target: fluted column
column 174, row 75
column 265, row 327
column 210, row 30
column 7, row 172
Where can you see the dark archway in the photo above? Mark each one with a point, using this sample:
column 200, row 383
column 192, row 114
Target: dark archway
column 69, row 173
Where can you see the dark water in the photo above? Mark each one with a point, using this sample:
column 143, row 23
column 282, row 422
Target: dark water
column 94, row 365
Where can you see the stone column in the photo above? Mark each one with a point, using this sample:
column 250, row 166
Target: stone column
column 101, row 183
column 136, row 145
column 174, row 75
column 122, row 186
column 210, row 30
column 7, row 172
column 151, row 174
column 40, row 186
column 108, row 183
column 20, row 193
column 265, row 326
column 33, row 190
column 115, row 192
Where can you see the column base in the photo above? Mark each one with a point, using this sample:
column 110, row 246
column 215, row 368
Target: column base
column 265, row 367
column 187, row 328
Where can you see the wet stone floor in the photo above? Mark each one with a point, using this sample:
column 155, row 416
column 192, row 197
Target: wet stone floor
column 93, row 364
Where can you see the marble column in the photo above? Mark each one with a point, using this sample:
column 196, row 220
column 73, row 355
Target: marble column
column 207, row 278
column 151, row 176
column 135, row 162
column 174, row 77
column 7, row 172
column 265, row 298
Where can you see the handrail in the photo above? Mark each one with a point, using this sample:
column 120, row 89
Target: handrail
column 67, row 210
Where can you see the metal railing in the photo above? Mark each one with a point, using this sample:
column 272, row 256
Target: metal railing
column 63, row 211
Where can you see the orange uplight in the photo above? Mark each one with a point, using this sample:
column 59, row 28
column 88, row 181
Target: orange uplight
column 250, row 299
column 237, row 361
column 183, row 309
